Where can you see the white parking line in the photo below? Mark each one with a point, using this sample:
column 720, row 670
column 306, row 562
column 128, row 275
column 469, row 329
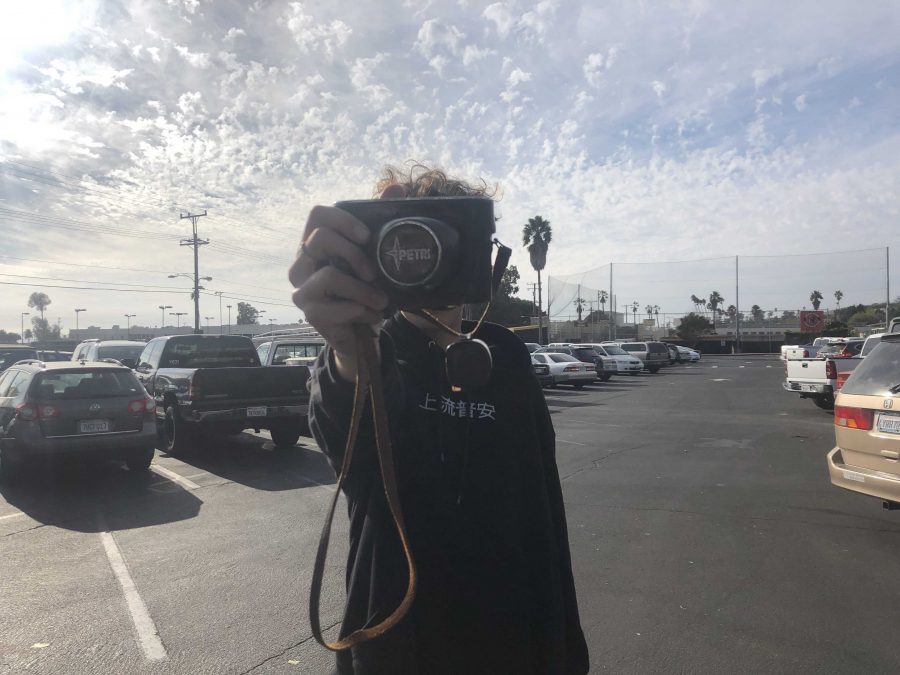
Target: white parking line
column 563, row 440
column 12, row 515
column 143, row 623
column 174, row 477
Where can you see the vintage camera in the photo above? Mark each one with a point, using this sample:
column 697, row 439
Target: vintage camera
column 432, row 252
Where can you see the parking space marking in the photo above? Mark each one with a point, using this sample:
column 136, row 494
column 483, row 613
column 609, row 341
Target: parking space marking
column 143, row 623
column 12, row 515
column 563, row 440
column 174, row 477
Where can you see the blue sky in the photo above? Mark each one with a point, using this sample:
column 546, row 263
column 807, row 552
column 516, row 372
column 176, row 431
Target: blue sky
column 643, row 131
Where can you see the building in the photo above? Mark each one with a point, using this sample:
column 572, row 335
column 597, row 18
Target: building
column 149, row 332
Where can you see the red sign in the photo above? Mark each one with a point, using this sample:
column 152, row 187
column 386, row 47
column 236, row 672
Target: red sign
column 812, row 321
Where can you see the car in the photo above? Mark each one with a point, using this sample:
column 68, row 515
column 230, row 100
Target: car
column 300, row 351
column 65, row 409
column 125, row 352
column 604, row 366
column 566, row 369
column 674, row 354
column 10, row 354
column 867, row 426
column 625, row 363
column 53, row 355
column 688, row 354
column 841, row 349
column 542, row 372
column 653, row 354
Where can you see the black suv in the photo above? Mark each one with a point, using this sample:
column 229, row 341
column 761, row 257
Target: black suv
column 10, row 354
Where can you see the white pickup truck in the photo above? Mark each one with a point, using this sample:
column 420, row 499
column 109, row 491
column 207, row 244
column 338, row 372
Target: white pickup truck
column 817, row 378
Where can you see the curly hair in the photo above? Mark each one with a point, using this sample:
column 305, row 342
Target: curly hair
column 420, row 180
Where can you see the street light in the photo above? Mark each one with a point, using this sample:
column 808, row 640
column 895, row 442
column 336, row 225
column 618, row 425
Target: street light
column 207, row 322
column 162, row 321
column 177, row 316
column 128, row 318
column 634, row 309
column 77, row 312
column 22, row 336
column 229, row 319
column 196, row 292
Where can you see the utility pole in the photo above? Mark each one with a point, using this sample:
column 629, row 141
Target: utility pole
column 229, row 319
column 887, row 303
column 219, row 293
column 128, row 318
column 196, row 244
column 737, row 304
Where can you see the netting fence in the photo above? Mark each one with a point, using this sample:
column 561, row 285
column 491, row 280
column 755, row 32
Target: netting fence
column 755, row 294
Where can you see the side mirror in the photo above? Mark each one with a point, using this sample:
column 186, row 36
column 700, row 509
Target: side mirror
column 143, row 368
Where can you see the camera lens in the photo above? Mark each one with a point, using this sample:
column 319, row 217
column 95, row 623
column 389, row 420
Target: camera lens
column 412, row 251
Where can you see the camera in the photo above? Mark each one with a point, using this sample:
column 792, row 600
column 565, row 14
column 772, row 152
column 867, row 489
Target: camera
column 431, row 252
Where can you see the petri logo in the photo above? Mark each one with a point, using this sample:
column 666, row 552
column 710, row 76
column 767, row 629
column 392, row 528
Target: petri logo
column 409, row 253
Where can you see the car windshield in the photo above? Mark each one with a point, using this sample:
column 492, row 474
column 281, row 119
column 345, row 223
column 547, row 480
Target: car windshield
column 877, row 373
column 199, row 353
column 634, row 347
column 586, row 353
column 11, row 356
column 612, row 350
column 562, row 358
column 66, row 385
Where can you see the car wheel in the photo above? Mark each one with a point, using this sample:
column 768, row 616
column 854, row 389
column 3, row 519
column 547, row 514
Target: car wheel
column 605, row 377
column 578, row 385
column 824, row 402
column 553, row 383
column 654, row 370
column 178, row 436
column 285, row 436
column 140, row 460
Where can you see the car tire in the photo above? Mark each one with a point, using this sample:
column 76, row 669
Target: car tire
column 654, row 370
column 179, row 437
column 605, row 377
column 824, row 402
column 579, row 385
column 140, row 460
column 285, row 436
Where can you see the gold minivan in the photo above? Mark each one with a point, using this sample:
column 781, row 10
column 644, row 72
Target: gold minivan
column 866, row 458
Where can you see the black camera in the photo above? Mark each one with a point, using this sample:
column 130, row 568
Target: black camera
column 431, row 252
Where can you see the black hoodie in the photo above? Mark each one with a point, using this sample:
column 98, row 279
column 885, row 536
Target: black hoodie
column 481, row 496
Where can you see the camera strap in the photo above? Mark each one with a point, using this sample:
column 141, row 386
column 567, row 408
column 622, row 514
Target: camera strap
column 368, row 382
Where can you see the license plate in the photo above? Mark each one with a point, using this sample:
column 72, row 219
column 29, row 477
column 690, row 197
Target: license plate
column 93, row 426
column 256, row 412
column 888, row 423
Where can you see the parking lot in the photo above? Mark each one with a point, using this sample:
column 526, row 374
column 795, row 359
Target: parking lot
column 705, row 537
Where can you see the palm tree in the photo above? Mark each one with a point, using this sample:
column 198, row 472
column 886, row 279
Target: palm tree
column 757, row 313
column 838, row 296
column 731, row 312
column 698, row 302
column 602, row 297
column 714, row 301
column 536, row 236
column 579, row 307
column 39, row 301
column 816, row 299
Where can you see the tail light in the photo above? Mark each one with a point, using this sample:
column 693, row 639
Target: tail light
column 195, row 389
column 841, row 378
column 571, row 369
column 853, row 418
column 26, row 412
column 45, row 411
column 830, row 370
column 142, row 405
column 805, row 353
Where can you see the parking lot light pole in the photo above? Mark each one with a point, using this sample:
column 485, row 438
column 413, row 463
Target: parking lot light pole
column 207, row 323
column 77, row 312
column 177, row 316
column 128, row 318
column 229, row 319
column 162, row 321
column 22, row 336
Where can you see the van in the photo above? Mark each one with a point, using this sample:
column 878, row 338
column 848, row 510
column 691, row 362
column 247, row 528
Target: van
column 654, row 355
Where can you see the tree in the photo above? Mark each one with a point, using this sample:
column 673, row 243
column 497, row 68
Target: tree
column 698, row 302
column 42, row 330
column 757, row 313
column 838, row 296
column 714, row 301
column 509, row 282
column 579, row 307
column 536, row 236
column 731, row 312
column 247, row 314
column 816, row 299
column 693, row 326
column 865, row 318
column 28, row 334
column 39, row 301
column 603, row 296
column 9, row 338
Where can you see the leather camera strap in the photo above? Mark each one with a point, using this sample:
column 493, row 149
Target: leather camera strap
column 368, row 382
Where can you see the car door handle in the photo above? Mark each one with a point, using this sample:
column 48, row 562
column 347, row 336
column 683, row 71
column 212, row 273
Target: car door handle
column 890, row 454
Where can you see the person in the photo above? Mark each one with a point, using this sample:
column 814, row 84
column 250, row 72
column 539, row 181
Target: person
column 476, row 474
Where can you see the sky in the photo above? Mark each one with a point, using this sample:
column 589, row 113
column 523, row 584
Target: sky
column 643, row 131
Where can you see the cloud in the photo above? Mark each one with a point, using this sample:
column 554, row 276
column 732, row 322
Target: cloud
column 800, row 103
column 312, row 36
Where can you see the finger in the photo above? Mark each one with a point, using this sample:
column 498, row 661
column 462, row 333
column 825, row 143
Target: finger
column 325, row 243
column 324, row 217
column 393, row 191
column 340, row 314
column 329, row 283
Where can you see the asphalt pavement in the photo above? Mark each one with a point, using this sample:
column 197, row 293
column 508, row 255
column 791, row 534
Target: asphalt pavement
column 705, row 536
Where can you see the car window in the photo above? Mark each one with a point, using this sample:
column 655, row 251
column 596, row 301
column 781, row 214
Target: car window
column 263, row 351
column 5, row 379
column 585, row 353
column 17, row 384
column 541, row 358
column 612, row 350
column 870, row 345
column 145, row 354
column 120, row 352
column 196, row 352
column 656, row 348
column 11, row 356
column 66, row 385
column 878, row 373
column 562, row 358
column 634, row 347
